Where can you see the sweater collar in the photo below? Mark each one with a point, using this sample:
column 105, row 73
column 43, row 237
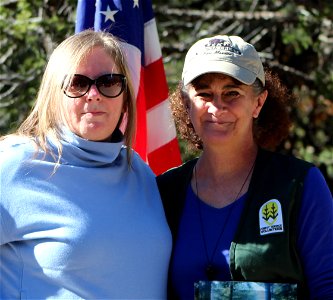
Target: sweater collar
column 81, row 152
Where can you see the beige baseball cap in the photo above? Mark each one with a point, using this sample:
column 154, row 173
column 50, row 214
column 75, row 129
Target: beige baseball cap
column 229, row 55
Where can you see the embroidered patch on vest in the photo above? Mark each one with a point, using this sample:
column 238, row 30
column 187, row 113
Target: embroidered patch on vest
column 270, row 217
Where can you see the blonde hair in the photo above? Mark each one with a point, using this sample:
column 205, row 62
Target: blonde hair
column 46, row 117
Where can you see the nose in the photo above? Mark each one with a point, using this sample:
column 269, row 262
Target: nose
column 93, row 93
column 217, row 106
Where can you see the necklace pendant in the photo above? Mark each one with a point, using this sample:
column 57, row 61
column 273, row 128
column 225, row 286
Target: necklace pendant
column 211, row 272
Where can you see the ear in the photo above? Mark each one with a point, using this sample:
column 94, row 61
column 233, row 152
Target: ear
column 260, row 101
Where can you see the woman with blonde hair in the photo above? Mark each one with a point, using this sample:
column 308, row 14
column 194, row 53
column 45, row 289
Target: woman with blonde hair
column 81, row 216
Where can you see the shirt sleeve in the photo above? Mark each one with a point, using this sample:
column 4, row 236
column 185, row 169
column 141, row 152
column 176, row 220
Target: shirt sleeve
column 315, row 235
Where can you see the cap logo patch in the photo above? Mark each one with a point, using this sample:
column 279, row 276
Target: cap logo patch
column 219, row 46
column 270, row 217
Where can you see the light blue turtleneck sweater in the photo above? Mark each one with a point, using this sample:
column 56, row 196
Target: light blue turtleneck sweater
column 95, row 229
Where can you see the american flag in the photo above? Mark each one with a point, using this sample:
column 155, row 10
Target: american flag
column 133, row 21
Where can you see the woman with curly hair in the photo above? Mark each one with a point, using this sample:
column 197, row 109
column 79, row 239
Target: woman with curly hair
column 242, row 212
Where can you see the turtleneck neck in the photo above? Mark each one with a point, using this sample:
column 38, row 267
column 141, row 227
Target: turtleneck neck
column 81, row 152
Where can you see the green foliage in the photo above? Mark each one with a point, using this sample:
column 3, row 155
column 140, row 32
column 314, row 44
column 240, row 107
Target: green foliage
column 298, row 38
column 29, row 31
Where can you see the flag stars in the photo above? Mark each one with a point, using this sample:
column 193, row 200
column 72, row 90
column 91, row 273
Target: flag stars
column 109, row 14
column 135, row 3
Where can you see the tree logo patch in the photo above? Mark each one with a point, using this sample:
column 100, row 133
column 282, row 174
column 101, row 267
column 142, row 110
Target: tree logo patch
column 270, row 217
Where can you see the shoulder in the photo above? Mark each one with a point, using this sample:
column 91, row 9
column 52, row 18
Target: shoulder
column 284, row 157
column 16, row 149
column 175, row 180
column 178, row 173
column 180, row 170
column 138, row 164
column 278, row 174
column 316, row 187
column 12, row 141
column 284, row 163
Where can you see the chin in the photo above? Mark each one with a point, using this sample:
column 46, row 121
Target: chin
column 99, row 139
column 94, row 132
column 95, row 137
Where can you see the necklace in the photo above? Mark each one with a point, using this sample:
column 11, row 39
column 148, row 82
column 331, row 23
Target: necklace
column 211, row 270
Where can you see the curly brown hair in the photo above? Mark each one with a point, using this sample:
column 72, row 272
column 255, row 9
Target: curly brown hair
column 270, row 128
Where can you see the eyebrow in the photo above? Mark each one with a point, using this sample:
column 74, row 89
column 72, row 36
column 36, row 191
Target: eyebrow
column 200, row 85
column 235, row 85
column 202, row 82
column 204, row 85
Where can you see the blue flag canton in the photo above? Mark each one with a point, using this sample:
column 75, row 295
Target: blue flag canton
column 123, row 18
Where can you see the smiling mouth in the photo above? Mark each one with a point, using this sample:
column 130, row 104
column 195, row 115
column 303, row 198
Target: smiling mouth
column 220, row 122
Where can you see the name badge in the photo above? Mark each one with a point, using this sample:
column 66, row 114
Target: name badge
column 223, row 290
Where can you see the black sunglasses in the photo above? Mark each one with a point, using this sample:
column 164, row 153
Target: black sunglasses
column 109, row 85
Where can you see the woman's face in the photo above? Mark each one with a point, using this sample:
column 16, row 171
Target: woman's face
column 222, row 109
column 93, row 116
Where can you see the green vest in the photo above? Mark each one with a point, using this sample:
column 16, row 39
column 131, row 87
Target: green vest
column 264, row 246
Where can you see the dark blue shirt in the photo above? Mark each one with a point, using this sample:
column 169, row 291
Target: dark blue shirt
column 207, row 238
